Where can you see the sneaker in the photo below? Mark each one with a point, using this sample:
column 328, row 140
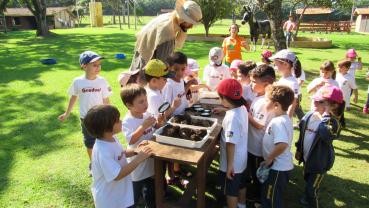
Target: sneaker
column 365, row 110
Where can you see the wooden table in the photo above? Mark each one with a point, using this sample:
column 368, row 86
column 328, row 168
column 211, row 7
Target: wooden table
column 201, row 158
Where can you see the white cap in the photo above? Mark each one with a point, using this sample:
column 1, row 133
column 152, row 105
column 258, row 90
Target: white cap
column 124, row 77
column 284, row 54
column 193, row 65
column 216, row 56
column 189, row 11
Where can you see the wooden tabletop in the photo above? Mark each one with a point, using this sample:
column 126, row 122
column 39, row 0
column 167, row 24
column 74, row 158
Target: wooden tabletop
column 186, row 155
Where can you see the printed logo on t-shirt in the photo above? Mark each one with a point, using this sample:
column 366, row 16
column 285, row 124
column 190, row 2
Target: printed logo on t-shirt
column 229, row 133
column 90, row 89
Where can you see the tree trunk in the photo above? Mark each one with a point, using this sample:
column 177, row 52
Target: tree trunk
column 114, row 22
column 207, row 27
column 300, row 19
column 273, row 9
column 38, row 9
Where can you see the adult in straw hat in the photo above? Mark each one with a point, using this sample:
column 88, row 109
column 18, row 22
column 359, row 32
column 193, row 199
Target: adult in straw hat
column 162, row 35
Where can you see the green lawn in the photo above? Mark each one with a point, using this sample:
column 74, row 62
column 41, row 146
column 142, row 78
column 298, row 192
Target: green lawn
column 43, row 162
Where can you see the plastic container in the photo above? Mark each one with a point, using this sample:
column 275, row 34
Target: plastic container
column 210, row 129
column 178, row 141
column 120, row 56
column 48, row 61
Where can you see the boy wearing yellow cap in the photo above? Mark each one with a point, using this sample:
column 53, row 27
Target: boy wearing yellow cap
column 156, row 74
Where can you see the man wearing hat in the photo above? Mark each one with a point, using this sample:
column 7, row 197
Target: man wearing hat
column 162, row 35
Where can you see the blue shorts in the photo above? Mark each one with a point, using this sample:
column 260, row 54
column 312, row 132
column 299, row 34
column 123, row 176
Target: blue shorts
column 88, row 140
column 232, row 187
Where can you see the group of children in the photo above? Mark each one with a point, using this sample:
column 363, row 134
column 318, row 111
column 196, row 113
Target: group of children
column 257, row 135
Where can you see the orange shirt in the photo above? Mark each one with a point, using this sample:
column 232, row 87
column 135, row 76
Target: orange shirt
column 232, row 48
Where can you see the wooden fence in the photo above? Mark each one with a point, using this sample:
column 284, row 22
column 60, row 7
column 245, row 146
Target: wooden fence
column 328, row 26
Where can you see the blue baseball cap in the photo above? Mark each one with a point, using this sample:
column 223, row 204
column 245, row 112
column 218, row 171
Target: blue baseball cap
column 88, row 57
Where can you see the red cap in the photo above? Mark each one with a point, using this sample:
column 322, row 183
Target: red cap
column 230, row 88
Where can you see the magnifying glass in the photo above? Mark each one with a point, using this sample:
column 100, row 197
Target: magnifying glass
column 164, row 107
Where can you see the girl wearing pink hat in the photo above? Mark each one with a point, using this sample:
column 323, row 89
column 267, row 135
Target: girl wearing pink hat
column 315, row 150
column 351, row 55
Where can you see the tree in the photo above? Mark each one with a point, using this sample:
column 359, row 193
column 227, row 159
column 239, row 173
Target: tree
column 38, row 9
column 273, row 9
column 213, row 11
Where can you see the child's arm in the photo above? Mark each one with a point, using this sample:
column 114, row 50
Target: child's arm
column 254, row 123
column 291, row 108
column 356, row 94
column 199, row 86
column 141, row 129
column 230, row 158
column 175, row 104
column 65, row 115
column 279, row 148
column 141, row 156
column 313, row 86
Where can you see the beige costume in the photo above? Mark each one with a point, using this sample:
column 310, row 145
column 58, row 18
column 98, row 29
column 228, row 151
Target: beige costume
column 159, row 38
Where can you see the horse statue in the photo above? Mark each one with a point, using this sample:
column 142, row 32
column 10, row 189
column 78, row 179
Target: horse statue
column 257, row 27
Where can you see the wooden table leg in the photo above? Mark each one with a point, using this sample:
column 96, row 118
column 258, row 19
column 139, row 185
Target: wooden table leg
column 159, row 182
column 201, row 183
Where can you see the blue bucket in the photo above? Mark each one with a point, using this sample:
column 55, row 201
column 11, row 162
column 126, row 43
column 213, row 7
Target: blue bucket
column 48, row 61
column 120, row 56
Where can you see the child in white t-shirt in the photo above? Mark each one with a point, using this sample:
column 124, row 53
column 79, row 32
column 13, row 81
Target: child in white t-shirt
column 176, row 86
column 327, row 77
column 287, row 64
column 215, row 71
column 277, row 145
column 91, row 90
column 233, row 143
column 112, row 183
column 351, row 55
column 347, row 84
column 156, row 74
column 261, row 77
column 192, row 74
column 243, row 74
column 139, row 125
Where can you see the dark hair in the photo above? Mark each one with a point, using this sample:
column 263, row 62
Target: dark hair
column 295, row 66
column 267, row 60
column 101, row 119
column 280, row 94
column 148, row 78
column 338, row 108
column 328, row 66
column 264, row 72
column 130, row 92
column 344, row 63
column 246, row 68
column 177, row 58
column 236, row 103
column 133, row 79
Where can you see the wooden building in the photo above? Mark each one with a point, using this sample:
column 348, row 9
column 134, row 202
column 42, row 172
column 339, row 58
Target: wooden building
column 362, row 20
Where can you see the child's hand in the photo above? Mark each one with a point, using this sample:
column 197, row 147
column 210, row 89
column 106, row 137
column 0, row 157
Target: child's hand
column 144, row 153
column 150, row 121
column 298, row 155
column 161, row 119
column 218, row 110
column 230, row 172
column 176, row 102
column 63, row 116
column 266, row 163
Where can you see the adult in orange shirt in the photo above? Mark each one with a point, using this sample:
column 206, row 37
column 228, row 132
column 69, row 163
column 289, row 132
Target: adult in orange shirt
column 232, row 45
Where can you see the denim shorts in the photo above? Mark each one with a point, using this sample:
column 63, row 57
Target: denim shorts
column 88, row 140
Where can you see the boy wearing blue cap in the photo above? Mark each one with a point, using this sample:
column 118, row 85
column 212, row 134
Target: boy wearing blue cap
column 91, row 90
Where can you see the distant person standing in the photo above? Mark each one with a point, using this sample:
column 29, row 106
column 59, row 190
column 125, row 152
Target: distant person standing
column 161, row 36
column 288, row 29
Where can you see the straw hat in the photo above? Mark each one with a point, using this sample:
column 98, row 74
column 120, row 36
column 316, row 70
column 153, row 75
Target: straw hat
column 189, row 11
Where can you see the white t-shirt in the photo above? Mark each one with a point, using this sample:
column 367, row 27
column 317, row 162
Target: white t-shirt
column 247, row 93
column 235, row 125
column 290, row 82
column 261, row 116
column 129, row 126
column 317, row 81
column 279, row 130
column 346, row 83
column 214, row 74
column 155, row 99
column 90, row 92
column 310, row 133
column 175, row 89
column 354, row 66
column 108, row 158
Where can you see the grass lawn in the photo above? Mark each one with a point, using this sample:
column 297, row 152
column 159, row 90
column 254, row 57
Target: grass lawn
column 43, row 162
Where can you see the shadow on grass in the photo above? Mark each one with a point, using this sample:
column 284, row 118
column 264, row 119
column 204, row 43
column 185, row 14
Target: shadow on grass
column 28, row 128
